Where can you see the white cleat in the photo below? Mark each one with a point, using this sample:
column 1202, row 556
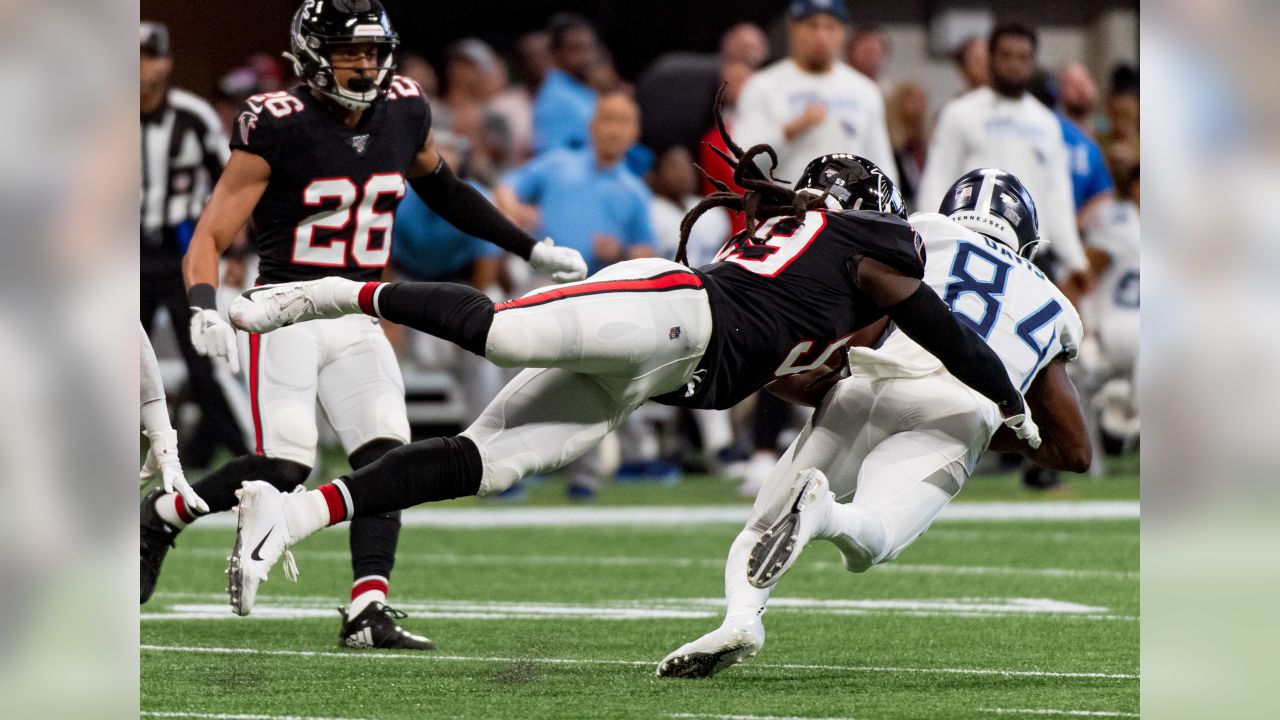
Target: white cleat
column 268, row 307
column 262, row 537
column 806, row 510
column 727, row 645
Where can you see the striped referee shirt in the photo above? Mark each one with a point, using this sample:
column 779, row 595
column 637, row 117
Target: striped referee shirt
column 183, row 152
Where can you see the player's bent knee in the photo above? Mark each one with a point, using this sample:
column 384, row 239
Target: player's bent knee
column 284, row 475
column 371, row 451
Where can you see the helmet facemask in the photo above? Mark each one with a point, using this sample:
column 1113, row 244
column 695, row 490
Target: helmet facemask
column 311, row 54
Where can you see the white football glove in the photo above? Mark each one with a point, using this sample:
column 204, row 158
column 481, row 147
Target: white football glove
column 563, row 264
column 162, row 460
column 1024, row 427
column 211, row 336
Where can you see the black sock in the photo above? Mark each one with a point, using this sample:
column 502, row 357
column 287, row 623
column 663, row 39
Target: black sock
column 374, row 537
column 425, row 471
column 219, row 487
column 451, row 311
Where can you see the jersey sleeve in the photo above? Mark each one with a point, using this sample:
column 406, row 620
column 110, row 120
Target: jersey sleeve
column 1070, row 330
column 255, row 132
column 888, row 239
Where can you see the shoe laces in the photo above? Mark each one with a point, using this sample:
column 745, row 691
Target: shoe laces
column 290, row 565
column 394, row 613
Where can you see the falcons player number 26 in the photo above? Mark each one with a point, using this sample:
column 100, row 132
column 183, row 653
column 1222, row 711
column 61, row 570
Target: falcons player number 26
column 332, row 251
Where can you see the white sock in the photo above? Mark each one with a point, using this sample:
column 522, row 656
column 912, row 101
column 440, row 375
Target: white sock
column 743, row 601
column 366, row 590
column 305, row 513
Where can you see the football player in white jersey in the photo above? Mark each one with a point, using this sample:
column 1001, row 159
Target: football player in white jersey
column 899, row 437
column 1114, row 252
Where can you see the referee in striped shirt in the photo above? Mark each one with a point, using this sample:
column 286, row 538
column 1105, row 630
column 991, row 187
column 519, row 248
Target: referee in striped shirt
column 183, row 151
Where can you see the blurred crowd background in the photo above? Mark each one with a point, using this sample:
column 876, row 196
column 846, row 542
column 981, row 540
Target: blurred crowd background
column 585, row 125
column 70, row 293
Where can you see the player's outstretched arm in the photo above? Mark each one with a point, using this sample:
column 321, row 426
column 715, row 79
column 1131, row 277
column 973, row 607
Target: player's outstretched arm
column 162, row 453
column 922, row 315
column 466, row 209
column 1055, row 403
column 234, row 197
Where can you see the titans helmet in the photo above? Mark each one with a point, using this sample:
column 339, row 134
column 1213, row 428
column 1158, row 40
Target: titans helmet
column 849, row 182
column 320, row 25
column 996, row 204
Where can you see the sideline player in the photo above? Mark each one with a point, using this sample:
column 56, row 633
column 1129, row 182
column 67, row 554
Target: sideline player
column 779, row 301
column 899, row 438
column 321, row 169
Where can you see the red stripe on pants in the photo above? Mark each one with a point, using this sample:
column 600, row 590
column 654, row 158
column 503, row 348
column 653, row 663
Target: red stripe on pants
column 673, row 280
column 254, row 340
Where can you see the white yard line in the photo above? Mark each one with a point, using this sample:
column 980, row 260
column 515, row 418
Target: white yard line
column 650, row 516
column 368, row 655
column 231, row 716
column 747, row 717
column 1057, row 713
column 716, row 563
column 309, row 607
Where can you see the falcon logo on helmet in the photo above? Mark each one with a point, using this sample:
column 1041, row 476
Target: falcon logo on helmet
column 996, row 204
column 320, row 26
column 850, row 182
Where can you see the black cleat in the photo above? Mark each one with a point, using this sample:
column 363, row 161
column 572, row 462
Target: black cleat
column 375, row 628
column 155, row 538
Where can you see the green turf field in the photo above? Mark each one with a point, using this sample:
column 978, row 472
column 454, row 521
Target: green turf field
column 993, row 618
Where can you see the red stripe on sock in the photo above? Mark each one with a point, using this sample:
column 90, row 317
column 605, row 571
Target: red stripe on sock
column 333, row 498
column 184, row 514
column 668, row 281
column 366, row 298
column 365, row 586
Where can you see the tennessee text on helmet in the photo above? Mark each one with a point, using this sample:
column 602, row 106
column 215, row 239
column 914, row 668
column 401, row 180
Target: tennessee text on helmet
column 321, row 25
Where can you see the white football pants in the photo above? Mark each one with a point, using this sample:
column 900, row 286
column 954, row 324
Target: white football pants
column 597, row 349
column 347, row 363
column 895, row 450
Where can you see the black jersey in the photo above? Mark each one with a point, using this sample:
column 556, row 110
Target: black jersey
column 784, row 301
column 330, row 203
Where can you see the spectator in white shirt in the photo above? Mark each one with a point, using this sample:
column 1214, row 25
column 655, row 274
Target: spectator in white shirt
column 674, row 183
column 811, row 103
column 1003, row 126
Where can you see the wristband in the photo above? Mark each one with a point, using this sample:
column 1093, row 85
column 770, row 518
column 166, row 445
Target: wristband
column 202, row 296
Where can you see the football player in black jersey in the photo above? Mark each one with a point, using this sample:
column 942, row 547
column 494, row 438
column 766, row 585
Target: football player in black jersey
column 817, row 264
column 321, row 168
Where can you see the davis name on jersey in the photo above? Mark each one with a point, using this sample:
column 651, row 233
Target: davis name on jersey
column 784, row 301
column 330, row 203
column 1000, row 295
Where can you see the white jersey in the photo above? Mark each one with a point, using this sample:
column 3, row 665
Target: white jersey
column 855, row 120
column 1115, row 310
column 1022, row 137
column 1116, row 232
column 1001, row 296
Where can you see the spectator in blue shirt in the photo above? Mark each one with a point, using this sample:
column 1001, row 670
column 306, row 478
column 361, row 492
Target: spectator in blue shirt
column 587, row 199
column 1074, row 96
column 425, row 247
column 566, row 101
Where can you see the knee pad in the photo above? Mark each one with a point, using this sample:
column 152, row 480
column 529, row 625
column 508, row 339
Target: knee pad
column 867, row 547
column 285, row 475
column 369, row 452
column 509, row 344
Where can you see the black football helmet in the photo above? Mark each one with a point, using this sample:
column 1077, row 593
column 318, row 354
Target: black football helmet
column 995, row 203
column 849, row 182
column 319, row 25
